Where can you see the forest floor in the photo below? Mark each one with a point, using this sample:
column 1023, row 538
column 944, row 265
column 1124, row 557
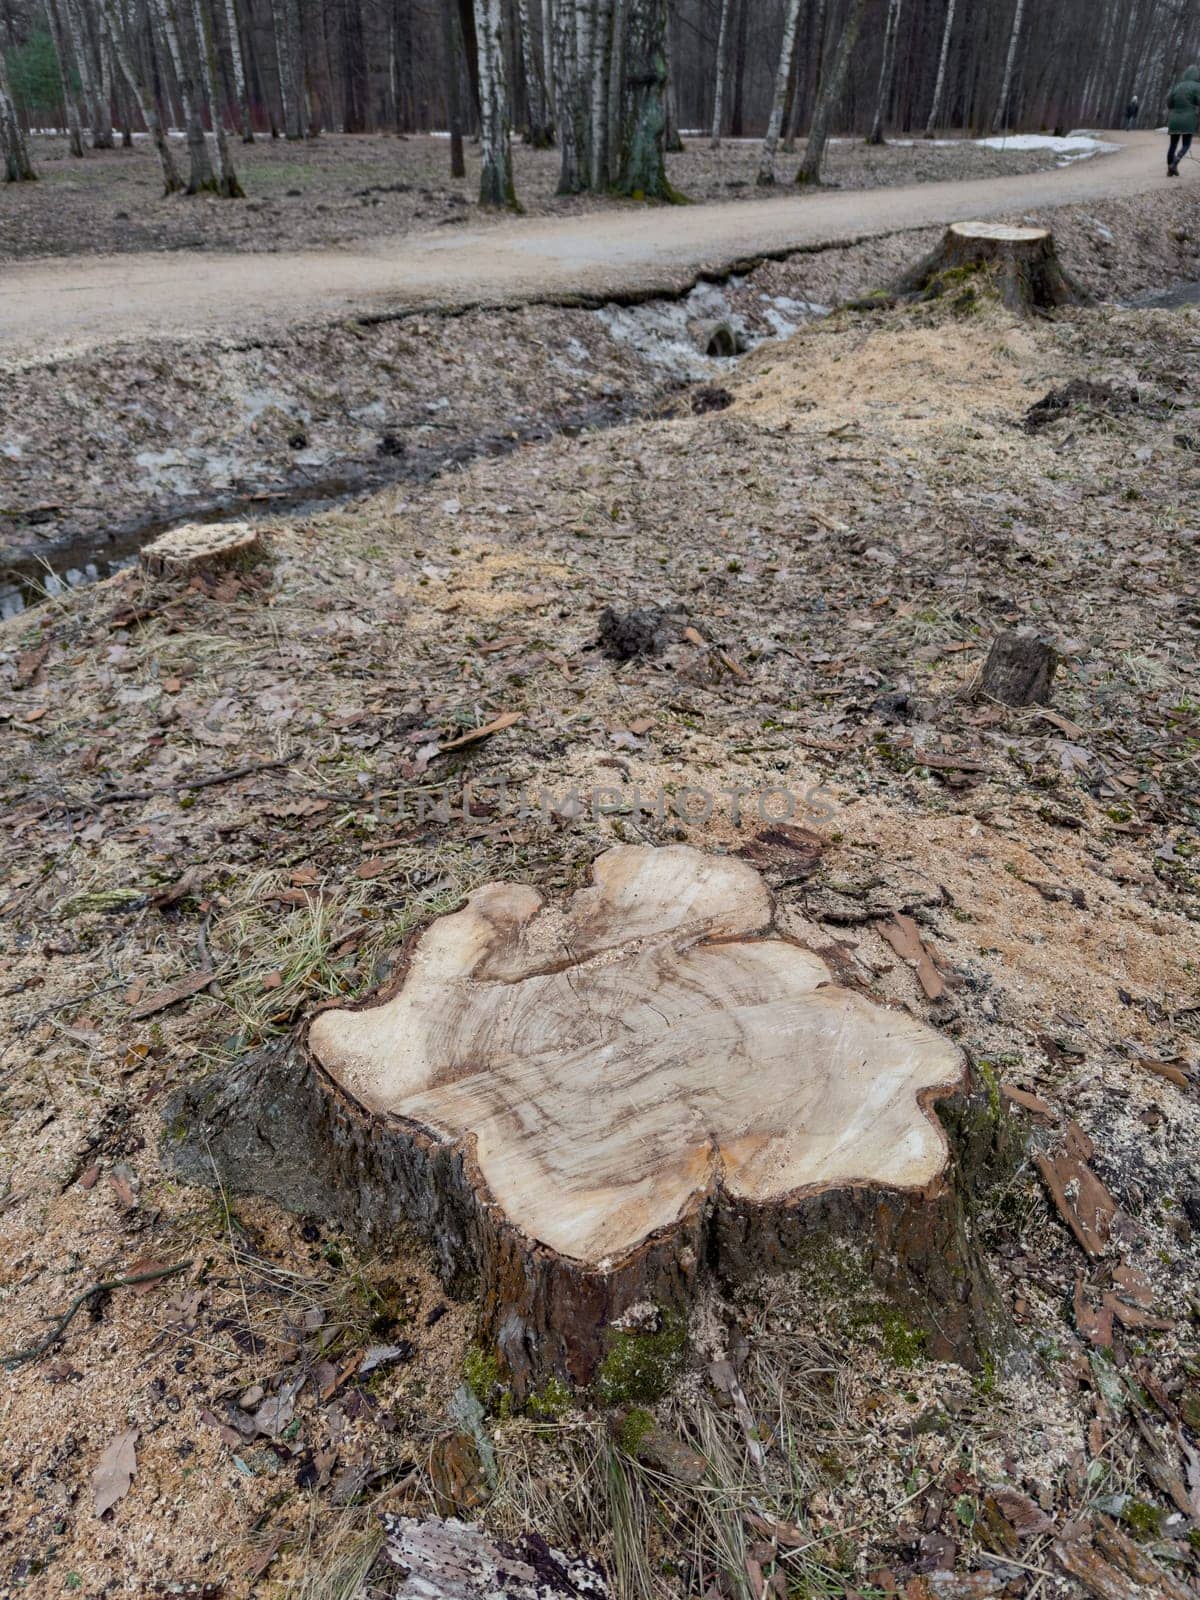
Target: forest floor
column 843, row 520
column 342, row 189
column 53, row 307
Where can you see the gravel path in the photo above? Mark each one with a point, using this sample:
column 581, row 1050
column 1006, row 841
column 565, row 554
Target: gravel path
column 52, row 307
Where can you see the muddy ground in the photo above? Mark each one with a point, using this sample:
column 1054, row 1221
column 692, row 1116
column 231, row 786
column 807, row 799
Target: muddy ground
column 844, row 529
column 341, row 189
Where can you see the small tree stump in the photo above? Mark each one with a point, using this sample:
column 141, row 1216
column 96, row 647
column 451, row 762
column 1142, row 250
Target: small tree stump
column 587, row 1109
column 203, row 547
column 1022, row 262
column 1019, row 669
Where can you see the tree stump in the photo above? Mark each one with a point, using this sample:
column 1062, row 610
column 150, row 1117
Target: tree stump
column 1022, row 263
column 203, row 547
column 589, row 1108
column 1019, row 669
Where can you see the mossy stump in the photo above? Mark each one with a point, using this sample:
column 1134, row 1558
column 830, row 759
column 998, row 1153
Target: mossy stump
column 1021, row 263
column 590, row 1109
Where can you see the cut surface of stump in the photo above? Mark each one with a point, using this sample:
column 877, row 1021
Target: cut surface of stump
column 589, row 1105
column 202, row 547
column 1022, row 262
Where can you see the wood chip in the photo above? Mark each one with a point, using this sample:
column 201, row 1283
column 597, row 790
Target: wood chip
column 181, row 989
column 505, row 720
column 905, row 939
column 1083, row 1202
column 1032, row 1103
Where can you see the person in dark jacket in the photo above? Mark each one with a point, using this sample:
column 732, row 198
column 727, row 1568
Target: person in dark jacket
column 1183, row 106
column 1131, row 114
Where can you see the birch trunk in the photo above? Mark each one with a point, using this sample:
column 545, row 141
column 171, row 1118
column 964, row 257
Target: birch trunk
column 181, row 50
column 240, row 81
column 783, row 77
column 673, row 137
column 143, row 96
column 831, row 94
column 616, row 77
column 227, row 179
column 99, row 114
column 570, row 114
column 602, row 51
column 548, row 54
column 496, row 179
column 62, row 49
column 939, row 87
column 886, row 72
column 643, row 169
column 719, row 89
column 1010, row 62
column 539, row 129
column 17, row 166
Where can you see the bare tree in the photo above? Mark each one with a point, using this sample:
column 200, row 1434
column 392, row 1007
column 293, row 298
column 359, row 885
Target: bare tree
column 602, row 53
column 143, row 96
column 454, row 110
column 227, row 179
column 1009, row 64
column 831, row 94
column 939, row 87
column 643, row 169
column 66, row 70
column 237, row 62
column 783, row 78
column 719, row 90
column 17, row 165
column 886, row 71
column 496, row 180
column 181, row 49
column 539, row 129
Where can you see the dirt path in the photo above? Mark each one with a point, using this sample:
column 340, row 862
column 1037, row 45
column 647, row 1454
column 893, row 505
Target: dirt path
column 52, row 307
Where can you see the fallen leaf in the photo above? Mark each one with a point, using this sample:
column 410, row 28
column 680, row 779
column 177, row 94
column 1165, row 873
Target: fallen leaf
column 118, row 1464
column 28, row 664
column 374, row 868
column 36, row 716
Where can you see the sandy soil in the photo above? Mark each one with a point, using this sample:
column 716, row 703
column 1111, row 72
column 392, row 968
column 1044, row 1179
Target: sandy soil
column 338, row 190
column 845, row 537
column 48, row 308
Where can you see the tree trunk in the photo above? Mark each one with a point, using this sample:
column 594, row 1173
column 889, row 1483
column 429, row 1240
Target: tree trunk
column 496, row 179
column 181, row 48
column 591, row 1111
column 1021, row 263
column 241, row 84
column 548, row 56
column 66, row 69
column 643, row 171
column 672, row 136
column 454, row 110
column 17, row 166
column 539, row 129
column 719, row 89
column 227, row 179
column 143, row 95
column 939, row 88
column 99, row 113
column 602, row 53
column 886, row 72
column 783, row 77
column 571, row 103
column 830, row 96
column 616, row 80
column 998, row 121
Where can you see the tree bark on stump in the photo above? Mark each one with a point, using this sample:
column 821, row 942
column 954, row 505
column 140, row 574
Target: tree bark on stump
column 594, row 1108
column 1022, row 262
column 1019, row 670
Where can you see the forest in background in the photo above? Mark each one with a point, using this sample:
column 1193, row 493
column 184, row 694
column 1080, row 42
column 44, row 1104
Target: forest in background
column 610, row 81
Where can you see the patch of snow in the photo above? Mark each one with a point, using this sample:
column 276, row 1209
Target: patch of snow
column 1077, row 146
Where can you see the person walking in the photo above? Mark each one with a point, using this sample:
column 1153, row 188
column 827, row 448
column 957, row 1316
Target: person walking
column 1183, row 106
column 1131, row 114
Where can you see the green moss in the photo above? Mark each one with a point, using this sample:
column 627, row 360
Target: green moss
column 992, row 1084
column 634, row 1429
column 101, row 900
column 1143, row 1520
column 903, row 1344
column 640, row 1367
column 552, row 1401
column 481, row 1371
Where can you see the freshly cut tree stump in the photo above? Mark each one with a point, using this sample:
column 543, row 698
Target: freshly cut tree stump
column 1022, row 262
column 203, row 547
column 587, row 1108
column 1019, row 669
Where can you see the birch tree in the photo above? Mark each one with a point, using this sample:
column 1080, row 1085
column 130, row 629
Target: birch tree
column 642, row 174
column 539, row 128
column 99, row 114
column 1009, row 64
column 886, row 71
column 227, row 184
column 571, row 102
column 181, row 50
column 143, row 97
column 783, row 78
column 602, row 55
column 830, row 96
column 17, row 166
column 237, row 62
column 719, row 88
column 66, row 71
column 939, row 87
column 496, row 179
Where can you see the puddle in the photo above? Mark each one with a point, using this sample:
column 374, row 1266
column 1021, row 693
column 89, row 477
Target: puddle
column 1178, row 294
